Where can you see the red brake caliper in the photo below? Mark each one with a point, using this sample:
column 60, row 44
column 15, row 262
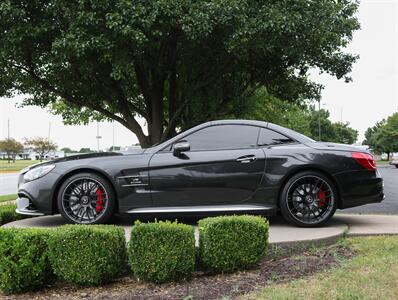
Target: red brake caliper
column 99, row 204
column 321, row 198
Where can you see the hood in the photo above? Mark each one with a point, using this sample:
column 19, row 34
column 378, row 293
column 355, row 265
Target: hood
column 335, row 146
column 84, row 156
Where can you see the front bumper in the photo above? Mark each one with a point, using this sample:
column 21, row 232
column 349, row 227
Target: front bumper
column 36, row 198
column 25, row 207
column 394, row 162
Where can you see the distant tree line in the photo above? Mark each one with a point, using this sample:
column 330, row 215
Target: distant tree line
column 42, row 146
column 383, row 136
column 302, row 118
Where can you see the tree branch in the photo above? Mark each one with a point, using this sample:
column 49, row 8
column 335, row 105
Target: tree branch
column 131, row 124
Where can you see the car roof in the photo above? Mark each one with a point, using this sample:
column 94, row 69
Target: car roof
column 283, row 130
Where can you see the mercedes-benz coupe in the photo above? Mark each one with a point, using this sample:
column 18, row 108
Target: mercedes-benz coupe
column 219, row 167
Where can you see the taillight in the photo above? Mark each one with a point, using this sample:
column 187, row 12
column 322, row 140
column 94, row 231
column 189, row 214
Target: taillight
column 365, row 160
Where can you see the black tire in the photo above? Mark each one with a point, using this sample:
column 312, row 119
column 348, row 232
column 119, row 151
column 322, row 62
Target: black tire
column 396, row 166
column 308, row 199
column 86, row 198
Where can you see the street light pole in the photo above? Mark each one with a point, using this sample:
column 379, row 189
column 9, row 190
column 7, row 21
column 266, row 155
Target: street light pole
column 113, row 135
column 98, row 136
column 319, row 118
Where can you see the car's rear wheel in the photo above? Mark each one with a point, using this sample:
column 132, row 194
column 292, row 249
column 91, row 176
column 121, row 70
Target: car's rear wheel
column 308, row 199
column 86, row 198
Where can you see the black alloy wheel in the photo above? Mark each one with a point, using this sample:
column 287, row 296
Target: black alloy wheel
column 308, row 199
column 86, row 198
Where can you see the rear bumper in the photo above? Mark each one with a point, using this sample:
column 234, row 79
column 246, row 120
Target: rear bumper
column 358, row 188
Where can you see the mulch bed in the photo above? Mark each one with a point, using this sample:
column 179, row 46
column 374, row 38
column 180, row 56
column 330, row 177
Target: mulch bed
column 303, row 263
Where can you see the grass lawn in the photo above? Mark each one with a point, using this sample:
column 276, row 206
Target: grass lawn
column 372, row 274
column 5, row 198
column 382, row 162
column 18, row 165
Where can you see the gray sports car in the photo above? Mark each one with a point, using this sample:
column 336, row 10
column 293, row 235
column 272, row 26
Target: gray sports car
column 219, row 167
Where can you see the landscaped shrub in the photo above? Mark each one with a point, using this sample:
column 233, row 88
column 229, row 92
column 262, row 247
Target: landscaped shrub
column 228, row 243
column 88, row 254
column 8, row 214
column 162, row 251
column 24, row 262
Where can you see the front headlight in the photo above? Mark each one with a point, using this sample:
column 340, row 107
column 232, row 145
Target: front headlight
column 38, row 172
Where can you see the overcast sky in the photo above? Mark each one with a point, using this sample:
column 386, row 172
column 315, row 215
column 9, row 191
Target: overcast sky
column 371, row 96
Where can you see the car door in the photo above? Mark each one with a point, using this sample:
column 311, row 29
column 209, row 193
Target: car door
column 223, row 166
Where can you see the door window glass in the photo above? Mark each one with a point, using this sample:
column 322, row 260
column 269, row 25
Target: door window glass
column 269, row 137
column 223, row 137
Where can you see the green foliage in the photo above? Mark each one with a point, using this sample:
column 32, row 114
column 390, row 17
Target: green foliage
column 383, row 137
column 301, row 118
column 370, row 136
column 7, row 198
column 85, row 150
column 87, row 254
column 24, row 261
column 162, row 251
column 8, row 214
column 228, row 243
column 175, row 63
column 266, row 107
column 68, row 150
column 11, row 147
column 330, row 131
column 41, row 145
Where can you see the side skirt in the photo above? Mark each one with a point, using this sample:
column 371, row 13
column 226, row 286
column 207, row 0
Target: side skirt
column 204, row 209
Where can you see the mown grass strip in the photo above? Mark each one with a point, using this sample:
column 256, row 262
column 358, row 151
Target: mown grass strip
column 372, row 274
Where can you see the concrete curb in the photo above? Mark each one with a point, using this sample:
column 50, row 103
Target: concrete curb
column 281, row 233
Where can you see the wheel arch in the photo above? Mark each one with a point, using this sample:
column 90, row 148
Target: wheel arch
column 310, row 168
column 70, row 173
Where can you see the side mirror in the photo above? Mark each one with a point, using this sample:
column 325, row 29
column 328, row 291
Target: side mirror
column 180, row 147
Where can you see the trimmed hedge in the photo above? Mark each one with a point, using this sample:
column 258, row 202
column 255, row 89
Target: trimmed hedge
column 228, row 243
column 88, row 254
column 8, row 214
column 24, row 261
column 162, row 251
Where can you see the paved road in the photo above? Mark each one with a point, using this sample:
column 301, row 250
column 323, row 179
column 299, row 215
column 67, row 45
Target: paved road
column 8, row 185
column 390, row 204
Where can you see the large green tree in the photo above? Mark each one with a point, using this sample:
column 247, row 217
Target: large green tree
column 265, row 107
column 371, row 135
column 337, row 132
column 383, row 137
column 302, row 118
column 174, row 63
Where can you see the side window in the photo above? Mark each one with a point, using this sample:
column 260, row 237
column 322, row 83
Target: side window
column 269, row 137
column 223, row 137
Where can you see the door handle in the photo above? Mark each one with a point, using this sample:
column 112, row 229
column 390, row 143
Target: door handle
column 246, row 159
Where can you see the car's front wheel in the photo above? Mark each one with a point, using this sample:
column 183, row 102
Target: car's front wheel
column 308, row 199
column 86, row 198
